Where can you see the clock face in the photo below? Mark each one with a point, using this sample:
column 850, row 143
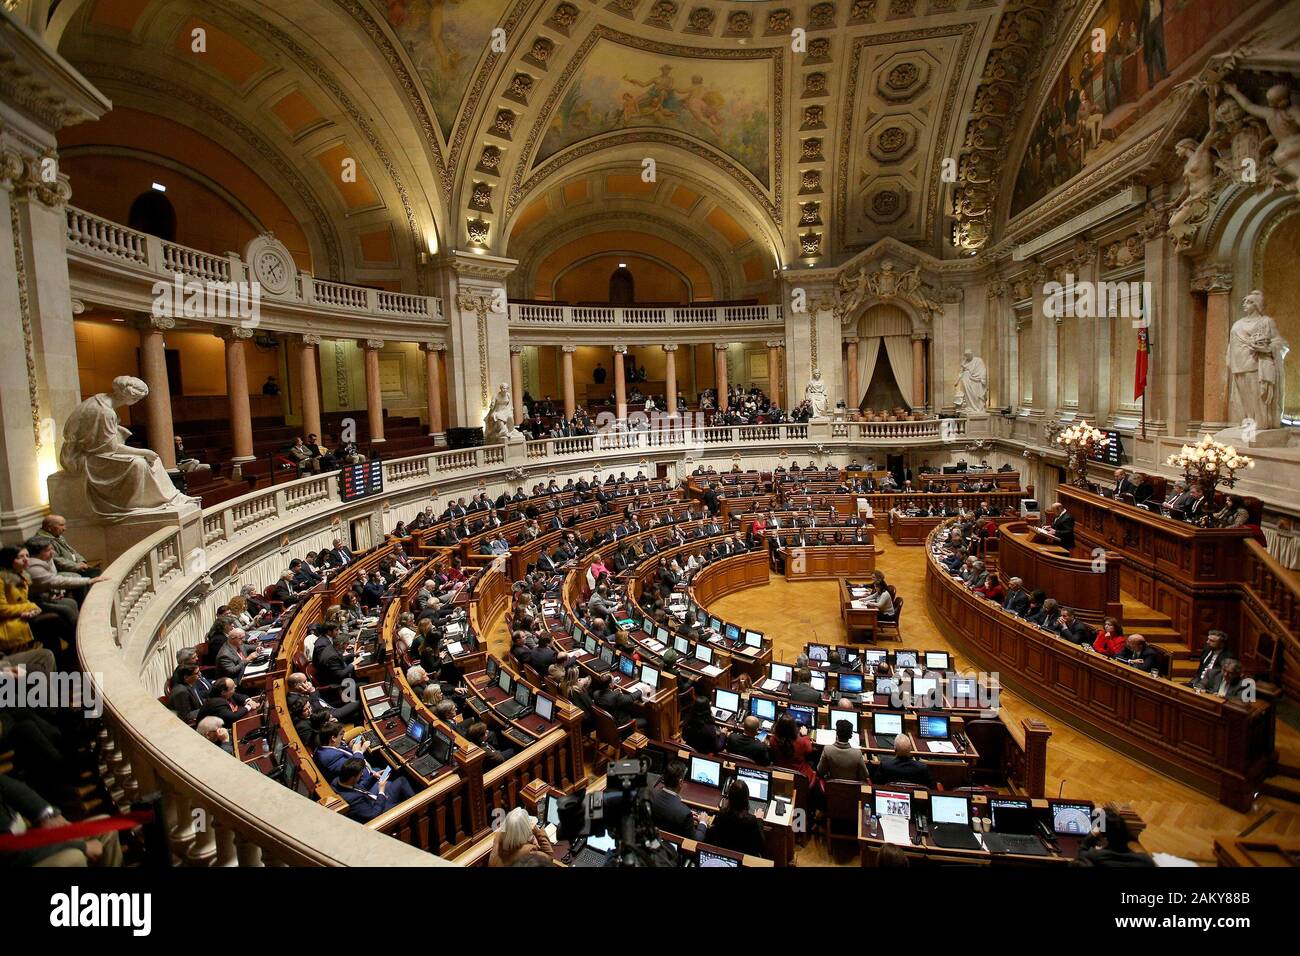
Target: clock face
column 271, row 269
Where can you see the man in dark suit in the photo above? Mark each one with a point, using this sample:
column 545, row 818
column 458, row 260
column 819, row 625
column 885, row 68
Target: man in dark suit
column 384, row 793
column 801, row 689
column 1062, row 526
column 1123, row 484
column 1232, row 682
column 332, row 667
column 1209, row 670
column 1142, row 490
column 745, row 743
column 185, row 697
column 902, row 767
column 1072, row 629
column 1017, row 599
column 1138, row 653
column 303, row 576
column 221, row 703
column 340, row 553
column 667, row 808
column 1178, row 503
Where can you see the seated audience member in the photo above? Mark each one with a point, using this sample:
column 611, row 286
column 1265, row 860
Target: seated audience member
column 667, row 808
column 51, row 584
column 366, row 803
column 477, row 734
column 1233, row 514
column 298, row 685
column 301, row 455
column 1233, row 685
column 1072, row 629
column 223, row 702
column 215, row 730
column 618, row 704
column 66, row 557
column 1209, row 672
column 842, row 760
column 1138, row 653
column 801, row 689
column 745, row 743
column 735, row 827
column 1110, row 638
column 1017, row 598
column 1045, row 613
column 233, row 658
column 700, row 728
column 993, row 589
column 791, row 747
column 184, row 698
column 903, row 767
column 23, row 809
column 1114, row 846
column 517, row 840
column 286, row 590
column 17, row 610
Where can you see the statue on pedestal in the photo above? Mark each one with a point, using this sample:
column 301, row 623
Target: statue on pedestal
column 119, row 481
column 1256, row 351
column 816, row 396
column 499, row 422
column 973, row 384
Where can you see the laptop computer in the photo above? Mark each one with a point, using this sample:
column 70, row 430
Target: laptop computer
column 726, row 704
column 433, row 754
column 950, row 822
column 759, row 783
column 1015, row 828
column 416, row 729
column 521, row 705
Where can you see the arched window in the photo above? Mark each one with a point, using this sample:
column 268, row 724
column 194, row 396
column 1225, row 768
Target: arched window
column 152, row 212
column 622, row 287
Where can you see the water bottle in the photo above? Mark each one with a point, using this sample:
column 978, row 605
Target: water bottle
column 873, row 826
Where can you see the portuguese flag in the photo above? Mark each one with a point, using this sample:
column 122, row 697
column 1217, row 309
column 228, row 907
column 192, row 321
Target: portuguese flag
column 1140, row 368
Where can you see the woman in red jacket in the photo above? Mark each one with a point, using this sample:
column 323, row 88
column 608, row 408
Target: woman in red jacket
column 993, row 589
column 1110, row 639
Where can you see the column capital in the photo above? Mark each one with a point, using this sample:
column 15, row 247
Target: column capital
column 669, row 346
column 620, row 349
column 233, row 333
column 850, row 340
column 437, row 347
column 311, row 339
column 371, row 345
column 569, row 348
column 157, row 323
column 516, row 349
column 776, row 343
column 919, row 336
column 720, row 346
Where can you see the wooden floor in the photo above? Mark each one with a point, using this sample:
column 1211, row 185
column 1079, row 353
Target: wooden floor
column 1180, row 820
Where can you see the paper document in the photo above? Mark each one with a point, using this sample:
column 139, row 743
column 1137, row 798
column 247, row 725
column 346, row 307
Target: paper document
column 823, row 737
column 941, row 747
column 896, row 830
column 710, row 670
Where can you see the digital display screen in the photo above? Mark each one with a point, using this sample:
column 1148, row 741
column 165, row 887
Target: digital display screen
column 1110, row 449
column 361, row 481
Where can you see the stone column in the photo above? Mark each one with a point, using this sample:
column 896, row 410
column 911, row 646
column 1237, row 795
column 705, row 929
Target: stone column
column 852, row 397
column 566, row 361
column 241, row 418
column 517, row 381
column 1043, row 336
column 720, row 374
column 774, row 371
column 374, row 395
column 309, row 373
column 620, row 382
column 433, row 386
column 1215, row 280
column 919, row 398
column 1087, row 355
column 157, row 404
column 670, row 378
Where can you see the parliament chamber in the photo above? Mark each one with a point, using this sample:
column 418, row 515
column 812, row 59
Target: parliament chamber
column 591, row 434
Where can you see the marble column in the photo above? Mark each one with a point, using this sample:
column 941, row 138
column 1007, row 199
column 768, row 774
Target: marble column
column 433, row 385
column 720, row 374
column 620, row 382
column 157, row 404
column 241, row 418
column 670, row 378
column 1215, row 280
column 919, row 398
column 517, row 381
column 374, row 394
column 1085, row 353
column 774, row 372
column 309, row 374
column 566, row 362
column 852, row 397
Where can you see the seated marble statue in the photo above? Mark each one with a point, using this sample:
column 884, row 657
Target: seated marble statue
column 499, row 422
column 119, row 480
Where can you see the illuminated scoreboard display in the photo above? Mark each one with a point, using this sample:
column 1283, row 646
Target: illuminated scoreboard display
column 361, row 481
column 1110, row 450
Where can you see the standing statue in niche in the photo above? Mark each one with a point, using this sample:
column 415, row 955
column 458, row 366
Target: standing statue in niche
column 973, row 384
column 119, row 481
column 499, row 422
column 1256, row 351
column 816, row 396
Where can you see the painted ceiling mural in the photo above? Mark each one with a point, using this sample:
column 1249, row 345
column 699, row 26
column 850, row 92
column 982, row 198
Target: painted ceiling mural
column 444, row 39
column 1149, row 47
column 725, row 103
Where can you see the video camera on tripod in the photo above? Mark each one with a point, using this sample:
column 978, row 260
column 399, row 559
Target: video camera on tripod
column 622, row 812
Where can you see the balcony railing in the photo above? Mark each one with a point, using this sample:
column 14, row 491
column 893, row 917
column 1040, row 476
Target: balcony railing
column 634, row 317
column 100, row 240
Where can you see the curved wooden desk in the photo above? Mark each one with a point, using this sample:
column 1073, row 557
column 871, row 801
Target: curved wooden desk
column 1089, row 586
column 1221, row 748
